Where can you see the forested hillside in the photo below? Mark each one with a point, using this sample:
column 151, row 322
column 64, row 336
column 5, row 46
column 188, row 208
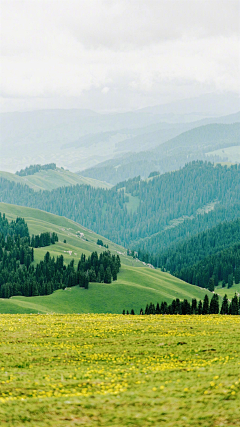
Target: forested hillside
column 18, row 275
column 205, row 259
column 195, row 249
column 179, row 204
column 223, row 266
column 171, row 155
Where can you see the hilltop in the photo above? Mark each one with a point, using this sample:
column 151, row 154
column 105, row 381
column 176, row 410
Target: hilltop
column 51, row 179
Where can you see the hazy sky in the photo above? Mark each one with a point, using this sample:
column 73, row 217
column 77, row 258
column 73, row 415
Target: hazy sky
column 116, row 54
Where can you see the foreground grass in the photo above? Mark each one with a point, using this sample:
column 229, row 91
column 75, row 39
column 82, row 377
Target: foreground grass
column 114, row 370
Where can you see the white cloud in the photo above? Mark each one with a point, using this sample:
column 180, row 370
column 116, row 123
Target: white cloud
column 59, row 49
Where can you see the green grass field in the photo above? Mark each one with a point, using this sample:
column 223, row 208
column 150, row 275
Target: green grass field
column 119, row 371
column 51, row 179
column 136, row 286
column 229, row 292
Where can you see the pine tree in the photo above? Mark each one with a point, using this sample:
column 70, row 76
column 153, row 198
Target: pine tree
column 108, row 275
column 234, row 305
column 224, row 308
column 230, row 280
column 200, row 307
column 194, row 306
column 211, row 284
column 237, row 275
column 214, row 305
column 205, row 305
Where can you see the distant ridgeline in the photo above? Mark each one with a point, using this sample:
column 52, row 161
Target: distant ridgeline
column 168, row 208
column 185, row 307
column 169, row 155
column 18, row 276
column 204, row 260
column 32, row 169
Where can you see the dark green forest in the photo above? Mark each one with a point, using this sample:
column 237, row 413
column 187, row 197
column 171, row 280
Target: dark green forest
column 168, row 205
column 203, row 260
column 19, row 276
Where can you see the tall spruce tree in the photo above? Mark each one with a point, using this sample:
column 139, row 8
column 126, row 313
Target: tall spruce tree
column 225, row 305
column 205, row 309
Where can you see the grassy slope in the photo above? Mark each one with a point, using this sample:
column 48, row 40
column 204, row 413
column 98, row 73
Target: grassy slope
column 134, row 288
column 51, row 179
column 230, row 292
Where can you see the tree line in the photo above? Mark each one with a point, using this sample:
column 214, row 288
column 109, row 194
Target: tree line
column 230, row 307
column 32, row 169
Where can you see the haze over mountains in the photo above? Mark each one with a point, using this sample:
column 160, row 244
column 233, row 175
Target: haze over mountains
column 209, row 142
column 81, row 139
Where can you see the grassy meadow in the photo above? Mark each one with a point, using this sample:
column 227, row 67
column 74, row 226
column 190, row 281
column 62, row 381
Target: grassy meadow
column 51, row 179
column 137, row 285
column 115, row 370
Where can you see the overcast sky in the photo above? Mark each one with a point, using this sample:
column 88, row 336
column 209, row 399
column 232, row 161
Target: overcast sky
column 116, row 54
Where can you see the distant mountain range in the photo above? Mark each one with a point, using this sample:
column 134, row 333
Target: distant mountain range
column 79, row 139
column 197, row 143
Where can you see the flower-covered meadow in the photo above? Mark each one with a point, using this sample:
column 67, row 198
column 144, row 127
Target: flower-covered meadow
column 115, row 370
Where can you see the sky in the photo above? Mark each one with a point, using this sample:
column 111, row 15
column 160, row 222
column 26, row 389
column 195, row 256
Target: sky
column 116, row 55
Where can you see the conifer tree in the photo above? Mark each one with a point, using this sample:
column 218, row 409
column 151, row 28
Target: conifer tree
column 211, row 284
column 230, row 280
column 205, row 309
column 214, row 305
column 224, row 308
column 200, row 307
column 234, row 305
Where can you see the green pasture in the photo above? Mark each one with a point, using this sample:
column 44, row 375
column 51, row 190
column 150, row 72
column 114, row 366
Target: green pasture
column 229, row 292
column 134, row 288
column 119, row 371
column 51, row 179
column 137, row 285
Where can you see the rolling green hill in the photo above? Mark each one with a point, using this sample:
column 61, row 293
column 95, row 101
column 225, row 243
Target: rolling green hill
column 136, row 286
column 51, row 179
column 139, row 214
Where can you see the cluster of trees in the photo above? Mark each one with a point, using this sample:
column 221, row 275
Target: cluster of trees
column 44, row 239
column 167, row 205
column 17, row 228
column 201, row 307
column 32, row 169
column 100, row 243
column 103, row 268
column 18, row 276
